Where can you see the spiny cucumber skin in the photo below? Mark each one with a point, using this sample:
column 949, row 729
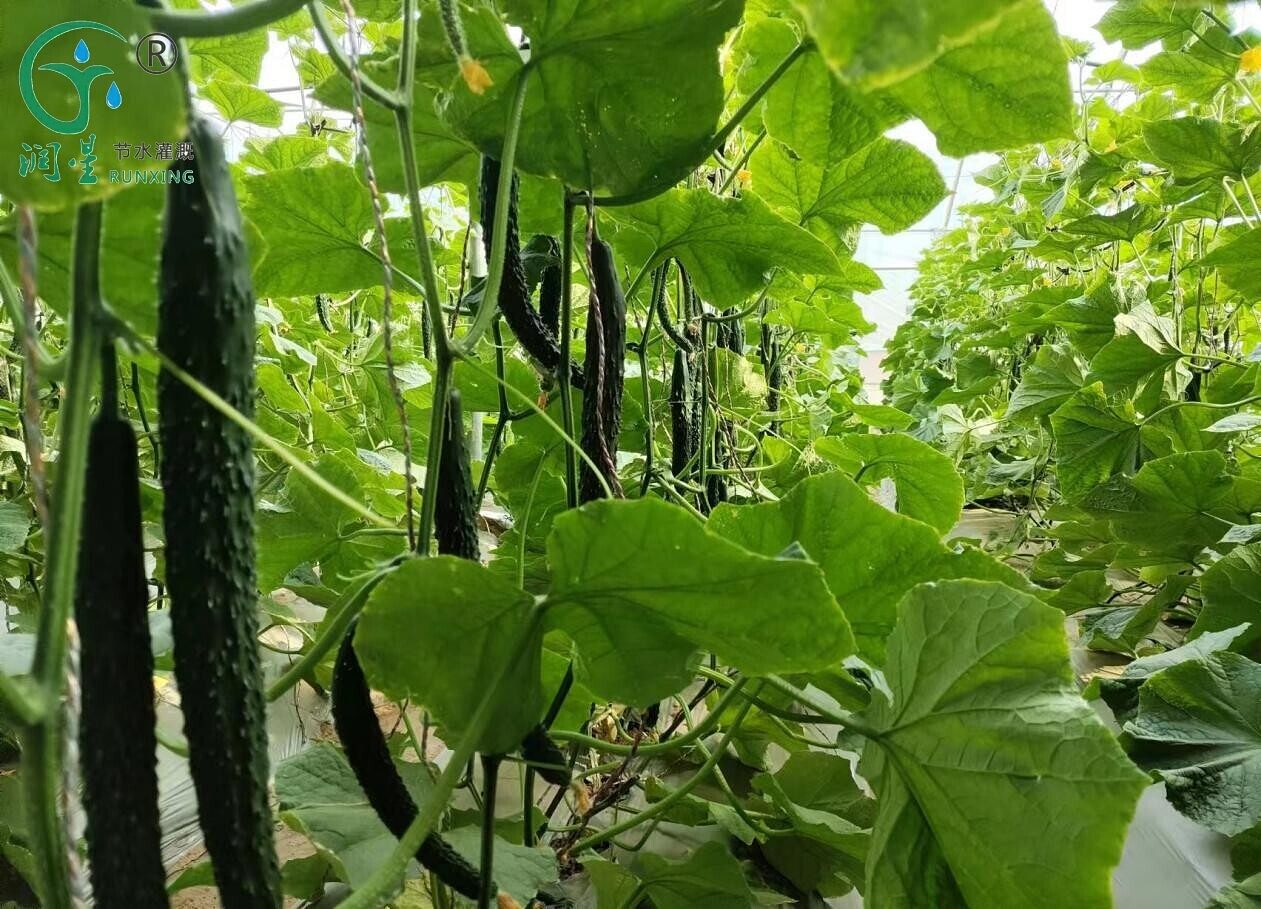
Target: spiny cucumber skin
column 368, row 754
column 681, row 431
column 539, row 341
column 551, row 287
column 117, row 743
column 455, row 511
column 602, row 413
column 206, row 327
column 730, row 335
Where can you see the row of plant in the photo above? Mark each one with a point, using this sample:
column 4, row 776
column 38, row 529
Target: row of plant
column 1085, row 349
column 599, row 266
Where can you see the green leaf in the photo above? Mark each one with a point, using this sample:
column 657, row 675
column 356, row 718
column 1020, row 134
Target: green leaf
column 1231, row 589
column 831, row 818
column 314, row 220
column 1052, row 377
column 1174, row 506
column 582, row 56
column 870, row 556
column 820, row 118
column 437, row 631
column 1199, row 726
column 888, row 183
column 240, row 56
column 15, row 525
column 640, row 586
column 1238, row 261
column 875, row 43
column 1094, row 439
column 320, row 797
column 928, row 487
column 242, row 102
column 709, row 878
column 1195, row 148
column 284, row 152
column 1138, row 23
column 1007, row 88
column 1120, row 629
column 1142, row 347
column 1089, row 320
column 1245, row 894
column 151, row 109
column 1196, row 73
column 520, row 871
column 441, row 154
column 1125, row 225
column 984, row 734
column 1121, row 694
column 728, row 245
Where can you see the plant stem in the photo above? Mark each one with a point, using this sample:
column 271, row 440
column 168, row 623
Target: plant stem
column 702, row 729
column 570, row 444
column 657, row 808
column 20, row 704
column 499, row 236
column 248, row 16
column 373, row 90
column 429, row 275
column 840, row 717
column 744, row 159
column 41, row 751
column 490, row 787
column 351, row 603
column 384, row 882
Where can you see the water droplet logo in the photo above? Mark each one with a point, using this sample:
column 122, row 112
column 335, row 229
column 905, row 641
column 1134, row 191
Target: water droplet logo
column 81, row 77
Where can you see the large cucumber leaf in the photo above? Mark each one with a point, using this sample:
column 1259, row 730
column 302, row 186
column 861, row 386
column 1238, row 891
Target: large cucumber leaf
column 998, row 785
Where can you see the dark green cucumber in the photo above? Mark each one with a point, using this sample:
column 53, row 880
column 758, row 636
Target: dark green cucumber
column 551, row 286
column 455, row 510
column 730, row 334
column 369, row 756
column 206, row 328
column 117, row 742
column 681, row 430
column 322, row 303
column 545, row 757
column 772, row 364
column 539, row 341
column 605, row 366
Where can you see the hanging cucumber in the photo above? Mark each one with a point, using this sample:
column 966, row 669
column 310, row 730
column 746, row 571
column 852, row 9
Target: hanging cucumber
column 772, row 364
column 206, row 327
column 545, row 757
column 605, row 366
column 117, row 743
column 369, row 756
column 681, row 430
column 539, row 341
column 551, row 286
column 455, row 511
column 730, row 334
column 322, row 304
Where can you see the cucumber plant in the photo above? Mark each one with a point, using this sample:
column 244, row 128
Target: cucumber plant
column 670, row 600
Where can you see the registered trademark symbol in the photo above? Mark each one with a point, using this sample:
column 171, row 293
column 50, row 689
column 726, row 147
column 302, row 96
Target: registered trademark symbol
column 156, row 53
